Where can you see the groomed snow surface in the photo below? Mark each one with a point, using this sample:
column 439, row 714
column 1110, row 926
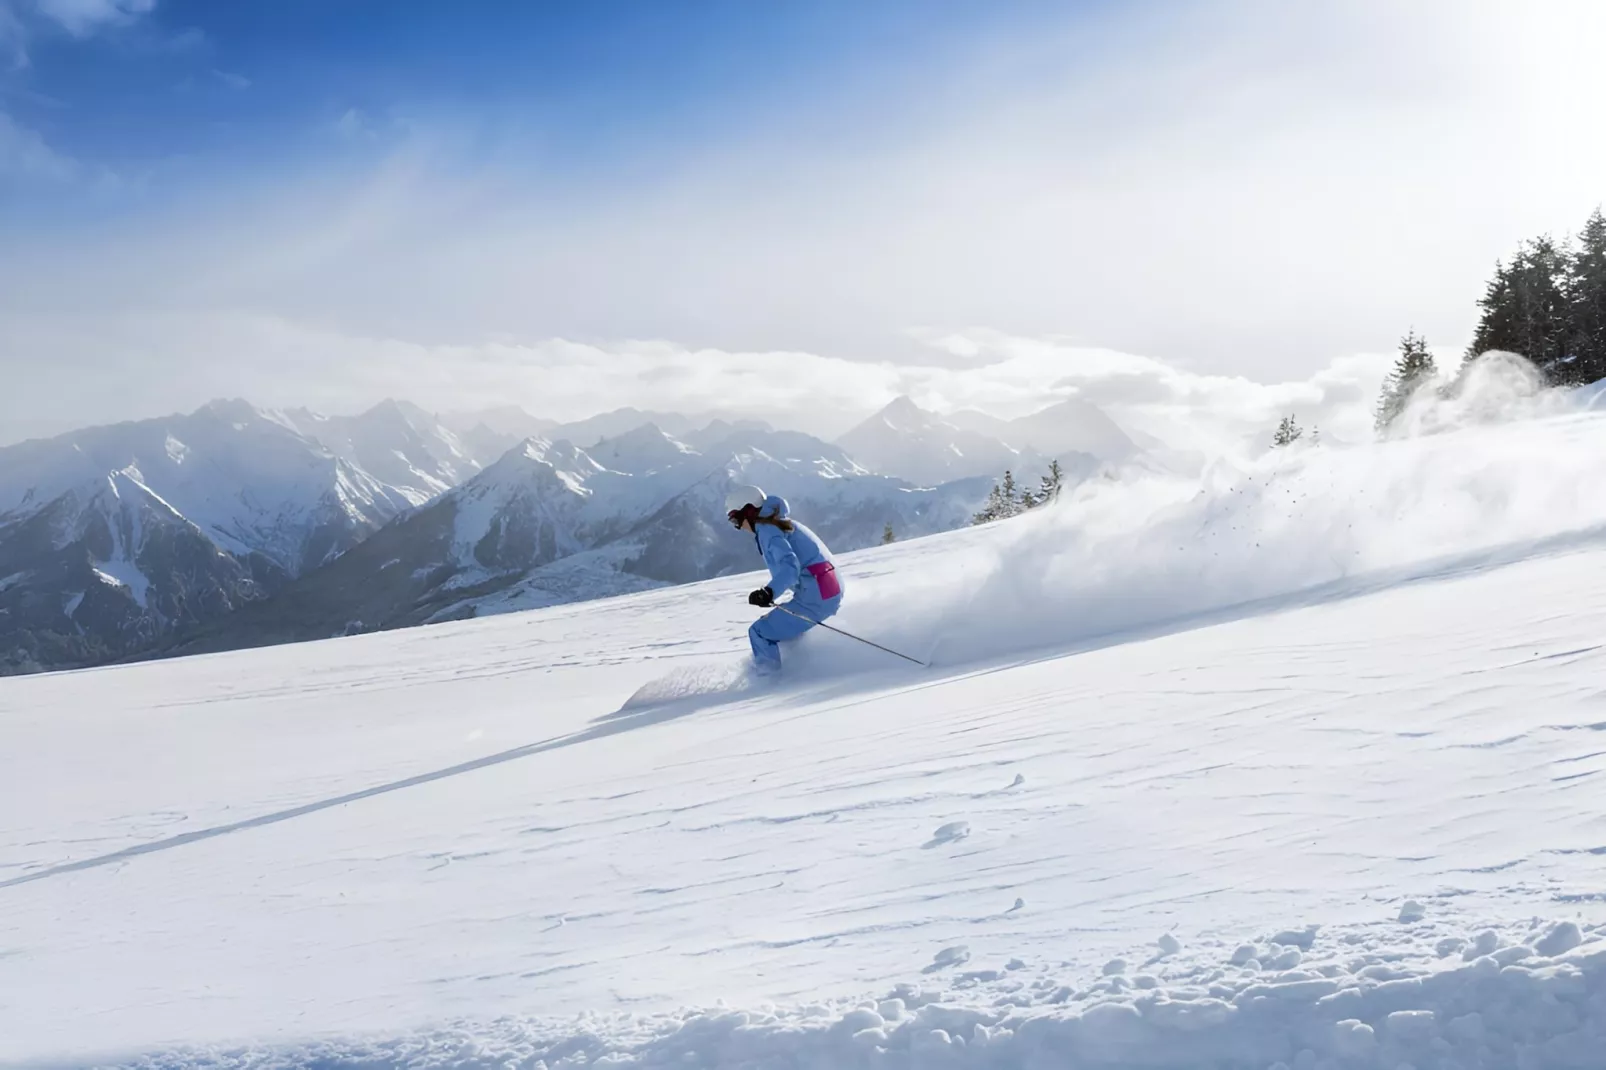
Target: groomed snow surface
column 1299, row 765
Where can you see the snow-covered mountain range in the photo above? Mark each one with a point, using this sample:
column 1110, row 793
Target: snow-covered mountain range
column 248, row 478
column 550, row 522
column 912, row 443
column 236, row 525
column 400, row 445
column 112, row 538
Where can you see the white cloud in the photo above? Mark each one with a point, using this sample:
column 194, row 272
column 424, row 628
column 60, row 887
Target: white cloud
column 232, row 80
column 158, row 362
column 84, row 18
column 190, row 40
column 1012, row 376
column 80, row 18
column 24, row 155
column 353, row 125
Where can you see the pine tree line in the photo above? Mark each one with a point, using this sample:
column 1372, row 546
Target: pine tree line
column 1007, row 499
column 1548, row 304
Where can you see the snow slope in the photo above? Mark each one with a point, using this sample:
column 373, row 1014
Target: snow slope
column 1301, row 765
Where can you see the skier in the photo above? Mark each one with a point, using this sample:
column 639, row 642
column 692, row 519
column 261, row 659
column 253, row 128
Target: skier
column 798, row 562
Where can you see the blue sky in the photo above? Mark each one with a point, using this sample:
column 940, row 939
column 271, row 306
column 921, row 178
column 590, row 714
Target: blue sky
column 1202, row 210
column 184, row 88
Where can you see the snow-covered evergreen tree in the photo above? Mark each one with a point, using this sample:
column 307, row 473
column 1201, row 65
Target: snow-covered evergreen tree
column 1049, row 489
column 992, row 510
column 1004, row 501
column 1288, row 431
column 1414, row 366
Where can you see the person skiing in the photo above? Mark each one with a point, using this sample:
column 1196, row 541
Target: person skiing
column 798, row 561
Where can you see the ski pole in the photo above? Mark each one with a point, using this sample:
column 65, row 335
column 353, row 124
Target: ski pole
column 885, row 650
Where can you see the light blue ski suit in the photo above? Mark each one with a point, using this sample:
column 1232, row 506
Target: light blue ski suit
column 800, row 563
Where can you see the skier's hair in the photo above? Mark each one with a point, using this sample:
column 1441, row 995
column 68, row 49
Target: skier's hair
column 752, row 513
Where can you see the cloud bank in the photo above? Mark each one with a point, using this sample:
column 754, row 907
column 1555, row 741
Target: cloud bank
column 167, row 362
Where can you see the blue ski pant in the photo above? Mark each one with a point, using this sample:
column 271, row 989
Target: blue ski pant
column 777, row 626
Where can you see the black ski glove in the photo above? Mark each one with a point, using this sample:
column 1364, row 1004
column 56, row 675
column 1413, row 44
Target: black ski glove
column 763, row 598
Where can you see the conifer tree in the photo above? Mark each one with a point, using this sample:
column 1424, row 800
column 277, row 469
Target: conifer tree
column 1414, row 366
column 1525, row 307
column 1003, row 502
column 993, row 509
column 1010, row 494
column 1497, row 321
column 887, row 536
column 1586, row 304
column 1052, row 484
column 1288, row 431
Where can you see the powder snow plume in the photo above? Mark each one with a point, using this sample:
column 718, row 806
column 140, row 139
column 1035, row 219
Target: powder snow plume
column 1497, row 468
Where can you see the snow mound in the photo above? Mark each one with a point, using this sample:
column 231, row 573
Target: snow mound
column 715, row 679
column 1368, row 999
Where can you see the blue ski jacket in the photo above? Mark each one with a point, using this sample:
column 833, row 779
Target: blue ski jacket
column 798, row 560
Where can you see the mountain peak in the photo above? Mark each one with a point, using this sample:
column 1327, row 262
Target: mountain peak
column 534, row 452
column 1074, row 425
column 912, row 443
column 533, row 448
column 903, row 406
column 394, row 409
column 902, row 414
column 648, row 430
column 235, row 409
column 606, row 425
column 642, row 450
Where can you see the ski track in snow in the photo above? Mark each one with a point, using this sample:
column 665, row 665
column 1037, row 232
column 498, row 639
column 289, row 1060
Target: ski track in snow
column 1360, row 832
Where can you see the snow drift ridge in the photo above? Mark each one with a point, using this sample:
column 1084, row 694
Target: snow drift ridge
column 1365, row 999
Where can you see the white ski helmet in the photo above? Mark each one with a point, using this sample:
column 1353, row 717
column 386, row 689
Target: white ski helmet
column 741, row 496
